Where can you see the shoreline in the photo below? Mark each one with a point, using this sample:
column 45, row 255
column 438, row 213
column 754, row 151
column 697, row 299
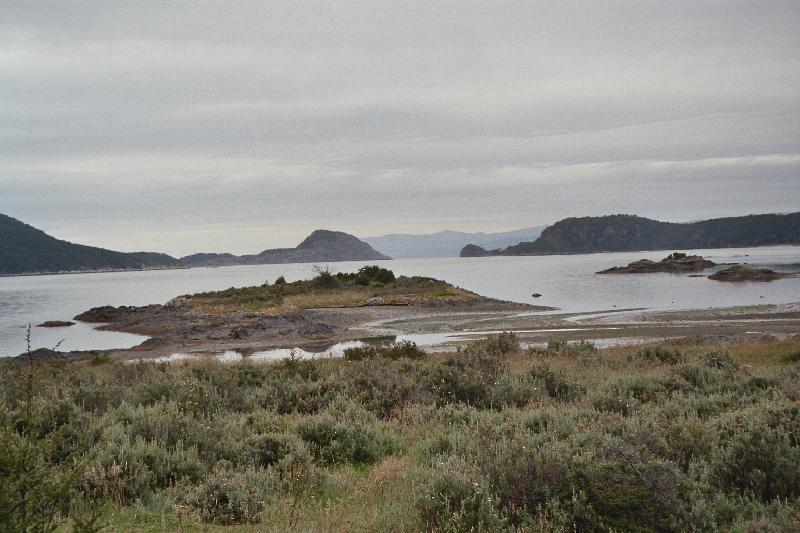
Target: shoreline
column 103, row 271
column 461, row 325
column 112, row 271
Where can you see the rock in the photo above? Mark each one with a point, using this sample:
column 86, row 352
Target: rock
column 239, row 332
column 104, row 314
column 674, row 263
column 55, row 324
column 744, row 273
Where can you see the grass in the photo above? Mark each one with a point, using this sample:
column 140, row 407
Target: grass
column 330, row 290
column 677, row 436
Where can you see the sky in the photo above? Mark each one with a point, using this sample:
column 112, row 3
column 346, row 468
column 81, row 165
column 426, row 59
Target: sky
column 239, row 126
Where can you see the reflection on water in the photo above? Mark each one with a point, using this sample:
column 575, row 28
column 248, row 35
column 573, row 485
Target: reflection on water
column 566, row 281
column 442, row 341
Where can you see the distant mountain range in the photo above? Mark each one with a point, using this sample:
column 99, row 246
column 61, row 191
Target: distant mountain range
column 617, row 233
column 26, row 250
column 319, row 247
column 446, row 243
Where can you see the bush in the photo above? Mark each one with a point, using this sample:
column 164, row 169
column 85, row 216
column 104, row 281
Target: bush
column 346, row 433
column 662, row 355
column 452, row 501
column 403, row 349
column 230, row 497
column 556, row 385
column 759, row 460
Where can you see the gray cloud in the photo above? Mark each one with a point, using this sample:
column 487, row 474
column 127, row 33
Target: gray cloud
column 186, row 126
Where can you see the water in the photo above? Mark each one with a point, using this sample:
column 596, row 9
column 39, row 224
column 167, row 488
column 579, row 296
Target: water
column 567, row 282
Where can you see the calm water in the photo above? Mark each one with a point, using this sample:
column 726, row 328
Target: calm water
column 566, row 282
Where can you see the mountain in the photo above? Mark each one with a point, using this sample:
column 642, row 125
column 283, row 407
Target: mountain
column 27, row 250
column 617, row 233
column 446, row 243
column 321, row 246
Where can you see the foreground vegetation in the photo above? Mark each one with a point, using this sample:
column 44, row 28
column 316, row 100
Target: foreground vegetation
column 674, row 437
column 370, row 285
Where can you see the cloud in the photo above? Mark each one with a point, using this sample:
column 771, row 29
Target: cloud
column 238, row 126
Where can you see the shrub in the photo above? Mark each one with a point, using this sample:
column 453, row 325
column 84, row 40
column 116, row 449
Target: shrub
column 403, row 349
column 230, row 497
column 662, row 355
column 280, row 281
column 556, row 385
column 270, row 448
column 721, row 361
column 346, row 433
column 759, row 460
column 452, row 501
column 467, row 377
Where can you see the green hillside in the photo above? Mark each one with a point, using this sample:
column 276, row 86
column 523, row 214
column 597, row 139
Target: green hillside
column 25, row 249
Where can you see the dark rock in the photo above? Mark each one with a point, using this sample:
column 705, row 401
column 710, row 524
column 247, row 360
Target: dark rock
column 55, row 324
column 674, row 263
column 239, row 332
column 744, row 273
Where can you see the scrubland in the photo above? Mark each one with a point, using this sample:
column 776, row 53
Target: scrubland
column 680, row 436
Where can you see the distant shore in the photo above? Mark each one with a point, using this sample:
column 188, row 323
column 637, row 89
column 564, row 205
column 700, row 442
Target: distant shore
column 111, row 271
column 98, row 271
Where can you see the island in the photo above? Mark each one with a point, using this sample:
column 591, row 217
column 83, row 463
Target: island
column 328, row 308
column 674, row 263
column 630, row 233
column 321, row 246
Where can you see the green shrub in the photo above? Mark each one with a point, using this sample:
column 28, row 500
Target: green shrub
column 346, row 433
column 556, row 385
column 230, row 497
column 452, row 501
column 398, row 350
column 660, row 354
column 759, row 460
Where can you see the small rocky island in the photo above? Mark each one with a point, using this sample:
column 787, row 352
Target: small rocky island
column 55, row 324
column 745, row 273
column 328, row 308
column 675, row 263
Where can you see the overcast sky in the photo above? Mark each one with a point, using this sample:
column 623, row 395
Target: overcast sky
column 237, row 126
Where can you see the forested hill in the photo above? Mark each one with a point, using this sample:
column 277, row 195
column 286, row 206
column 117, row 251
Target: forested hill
column 27, row 250
column 615, row 233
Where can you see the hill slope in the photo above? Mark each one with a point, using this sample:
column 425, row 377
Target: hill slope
column 446, row 243
column 321, row 246
column 27, row 250
column 617, row 233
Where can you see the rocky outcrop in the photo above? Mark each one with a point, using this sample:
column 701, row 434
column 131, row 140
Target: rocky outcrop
column 675, row 263
column 744, row 273
column 55, row 324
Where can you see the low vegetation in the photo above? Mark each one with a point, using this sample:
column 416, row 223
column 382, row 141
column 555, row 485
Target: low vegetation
column 671, row 437
column 370, row 285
